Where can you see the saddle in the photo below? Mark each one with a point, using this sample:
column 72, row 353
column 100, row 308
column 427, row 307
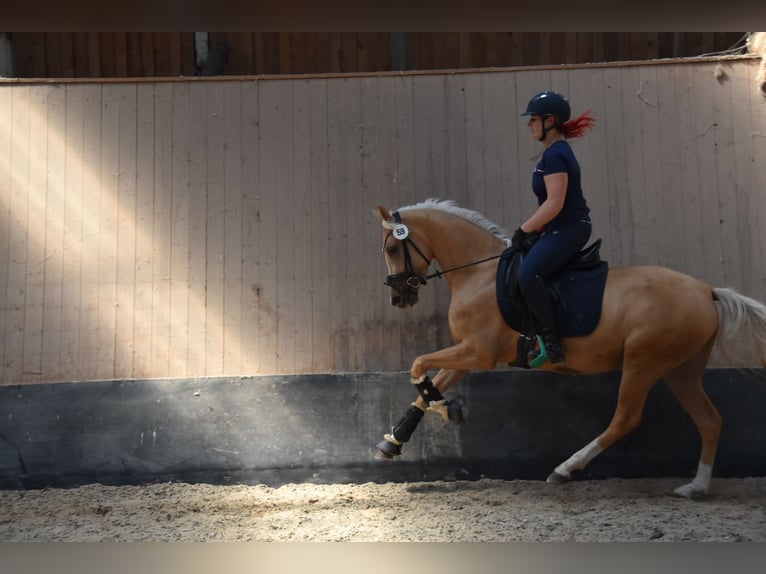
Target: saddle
column 577, row 292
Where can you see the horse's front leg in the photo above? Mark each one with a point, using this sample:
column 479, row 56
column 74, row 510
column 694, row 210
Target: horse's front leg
column 391, row 445
column 455, row 362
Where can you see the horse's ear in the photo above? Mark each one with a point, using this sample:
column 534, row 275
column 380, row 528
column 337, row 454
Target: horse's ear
column 382, row 214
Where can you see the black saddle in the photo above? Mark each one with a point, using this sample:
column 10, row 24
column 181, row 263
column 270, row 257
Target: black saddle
column 588, row 258
column 577, row 291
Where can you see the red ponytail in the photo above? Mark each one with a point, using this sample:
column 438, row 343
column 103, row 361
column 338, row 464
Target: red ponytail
column 577, row 127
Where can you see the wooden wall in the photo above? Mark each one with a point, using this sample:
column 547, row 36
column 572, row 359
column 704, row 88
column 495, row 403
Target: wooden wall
column 223, row 227
column 137, row 54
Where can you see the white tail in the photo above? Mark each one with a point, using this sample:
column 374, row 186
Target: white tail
column 738, row 315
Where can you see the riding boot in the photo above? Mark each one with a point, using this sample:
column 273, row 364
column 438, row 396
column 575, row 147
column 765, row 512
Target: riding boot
column 541, row 307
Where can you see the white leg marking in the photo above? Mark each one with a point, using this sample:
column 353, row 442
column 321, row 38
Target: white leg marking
column 580, row 459
column 699, row 485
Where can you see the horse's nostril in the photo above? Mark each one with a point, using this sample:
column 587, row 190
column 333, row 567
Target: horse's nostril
column 395, row 300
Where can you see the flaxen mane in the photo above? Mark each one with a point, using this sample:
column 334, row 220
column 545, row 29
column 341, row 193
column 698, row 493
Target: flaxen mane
column 449, row 206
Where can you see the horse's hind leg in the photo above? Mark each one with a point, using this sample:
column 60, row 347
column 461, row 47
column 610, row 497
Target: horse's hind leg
column 686, row 384
column 634, row 388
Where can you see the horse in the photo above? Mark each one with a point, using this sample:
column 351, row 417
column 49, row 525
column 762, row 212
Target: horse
column 655, row 323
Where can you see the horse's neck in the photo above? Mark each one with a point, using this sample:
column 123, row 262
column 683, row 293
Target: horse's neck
column 455, row 241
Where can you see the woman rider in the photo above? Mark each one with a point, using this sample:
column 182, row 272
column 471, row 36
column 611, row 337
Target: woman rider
column 561, row 225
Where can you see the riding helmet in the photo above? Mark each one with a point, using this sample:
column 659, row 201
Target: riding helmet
column 549, row 104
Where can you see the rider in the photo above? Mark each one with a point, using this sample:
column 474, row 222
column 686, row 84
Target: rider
column 561, row 224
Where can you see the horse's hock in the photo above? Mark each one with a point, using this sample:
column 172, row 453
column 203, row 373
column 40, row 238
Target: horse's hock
column 324, row 428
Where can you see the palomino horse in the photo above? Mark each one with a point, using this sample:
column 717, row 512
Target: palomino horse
column 655, row 323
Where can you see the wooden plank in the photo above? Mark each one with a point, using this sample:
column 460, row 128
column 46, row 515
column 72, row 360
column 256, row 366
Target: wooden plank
column 233, row 229
column 641, row 227
column 241, row 53
column 321, row 233
column 187, row 53
column 67, row 54
column 349, row 62
column 495, row 121
column 147, row 252
column 147, row 54
column 174, row 54
column 337, row 233
column 653, row 157
column 54, row 211
column 213, row 228
column 168, row 138
column 81, row 60
column 366, row 226
column 188, row 240
column 725, row 166
column 747, row 218
column 133, row 53
column 284, row 53
column 351, row 206
column 456, row 168
column 302, row 238
column 32, row 370
column 120, row 54
column 108, row 214
column 502, row 125
column 18, row 238
column 88, row 324
column 107, row 54
column 380, row 171
column 619, row 246
column 474, row 134
column 363, row 57
column 6, row 217
column 94, row 55
column 663, row 165
column 704, row 140
column 284, row 205
column 586, row 93
column 272, row 132
column 757, row 144
column 251, row 220
column 126, row 232
column 690, row 219
column 162, row 53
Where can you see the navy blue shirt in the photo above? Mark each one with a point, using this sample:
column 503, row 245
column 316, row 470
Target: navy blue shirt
column 559, row 158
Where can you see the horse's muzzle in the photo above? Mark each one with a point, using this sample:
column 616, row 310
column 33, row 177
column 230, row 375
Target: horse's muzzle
column 405, row 287
column 404, row 299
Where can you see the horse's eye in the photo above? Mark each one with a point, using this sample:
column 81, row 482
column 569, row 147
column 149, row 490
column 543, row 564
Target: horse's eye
column 392, row 250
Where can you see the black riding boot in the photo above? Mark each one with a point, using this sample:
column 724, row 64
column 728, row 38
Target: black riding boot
column 541, row 307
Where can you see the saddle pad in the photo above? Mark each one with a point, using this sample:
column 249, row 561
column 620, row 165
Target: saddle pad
column 577, row 297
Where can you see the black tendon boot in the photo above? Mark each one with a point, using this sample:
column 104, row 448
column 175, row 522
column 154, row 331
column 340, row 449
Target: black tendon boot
column 541, row 307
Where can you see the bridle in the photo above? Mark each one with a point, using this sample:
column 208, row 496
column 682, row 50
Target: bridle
column 408, row 281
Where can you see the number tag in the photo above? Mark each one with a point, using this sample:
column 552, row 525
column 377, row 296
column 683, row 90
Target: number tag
column 401, row 231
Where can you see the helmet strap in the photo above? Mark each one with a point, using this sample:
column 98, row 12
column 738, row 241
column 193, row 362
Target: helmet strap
column 545, row 129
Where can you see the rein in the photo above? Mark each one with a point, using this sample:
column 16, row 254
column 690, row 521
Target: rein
column 439, row 274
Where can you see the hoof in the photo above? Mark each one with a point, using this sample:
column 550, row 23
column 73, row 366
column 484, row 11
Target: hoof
column 456, row 412
column 388, row 450
column 687, row 491
column 556, row 478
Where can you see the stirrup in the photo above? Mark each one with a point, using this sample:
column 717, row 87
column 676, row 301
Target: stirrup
column 542, row 356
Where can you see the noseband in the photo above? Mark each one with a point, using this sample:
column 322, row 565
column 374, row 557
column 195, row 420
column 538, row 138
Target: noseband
column 407, row 281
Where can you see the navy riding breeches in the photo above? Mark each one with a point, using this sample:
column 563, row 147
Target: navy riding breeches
column 555, row 247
